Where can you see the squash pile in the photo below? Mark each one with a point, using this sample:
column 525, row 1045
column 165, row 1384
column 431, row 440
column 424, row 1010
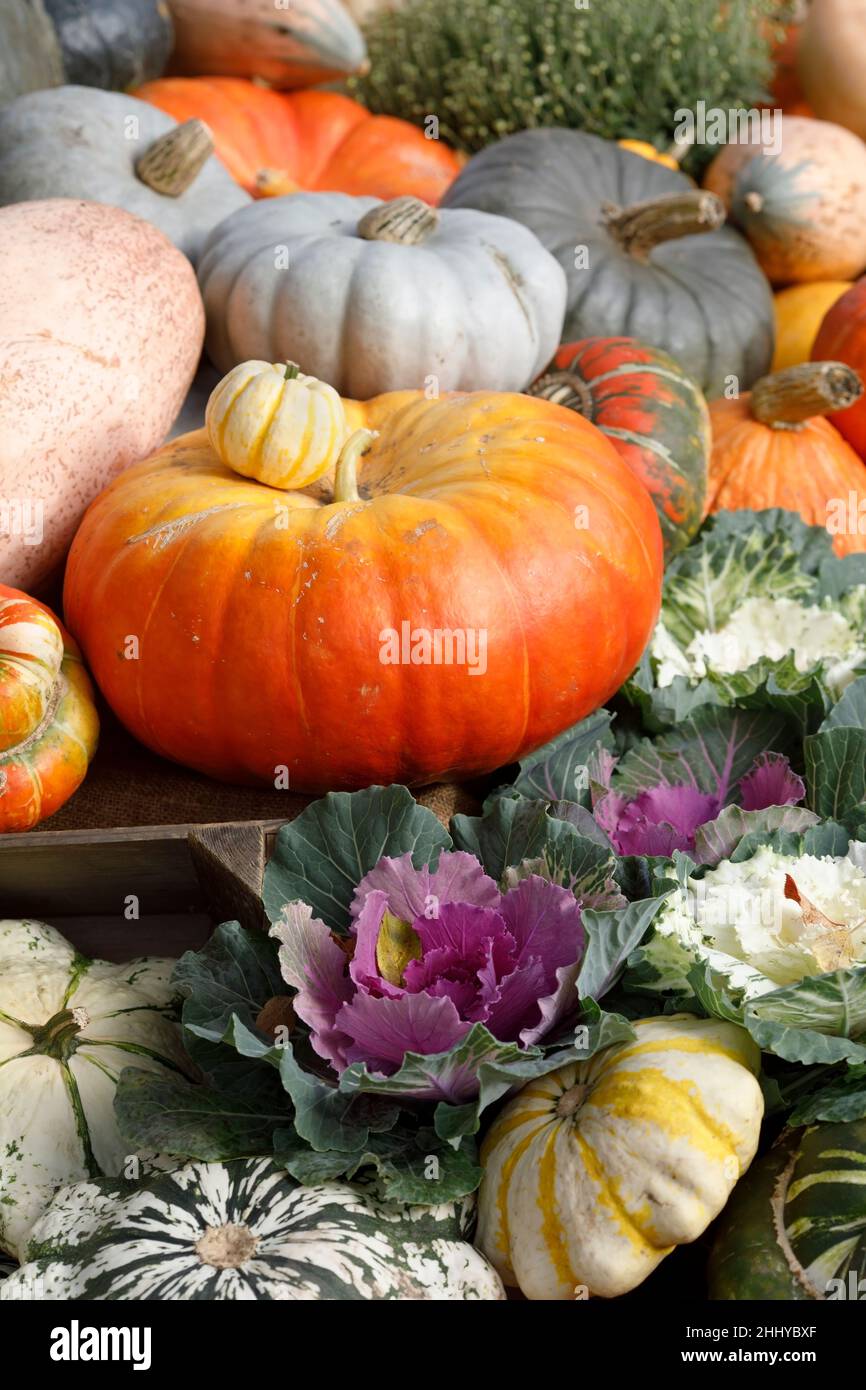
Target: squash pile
column 521, row 349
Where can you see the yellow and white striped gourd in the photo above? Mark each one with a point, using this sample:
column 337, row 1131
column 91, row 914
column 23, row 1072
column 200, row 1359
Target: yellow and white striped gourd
column 266, row 420
column 595, row 1172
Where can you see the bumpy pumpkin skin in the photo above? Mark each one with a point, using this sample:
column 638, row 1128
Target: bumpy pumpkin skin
column 754, row 466
column 77, row 142
column 701, row 298
column 48, row 722
column 305, row 43
column 246, row 1230
column 476, row 304
column 803, row 208
column 645, row 1154
column 810, row 1188
column 278, row 142
column 260, row 615
column 655, row 416
column 842, row 338
column 101, row 326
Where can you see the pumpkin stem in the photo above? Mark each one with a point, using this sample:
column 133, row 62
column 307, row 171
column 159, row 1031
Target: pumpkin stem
column 174, row 160
column 226, row 1247
column 564, row 388
column 643, row 226
column 784, row 400
column 346, row 472
column 274, row 183
column 570, row 1101
column 59, row 1036
column 407, row 221
column 292, row 371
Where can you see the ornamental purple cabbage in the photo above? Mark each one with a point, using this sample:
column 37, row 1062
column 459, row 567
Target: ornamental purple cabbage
column 665, row 818
column 431, row 953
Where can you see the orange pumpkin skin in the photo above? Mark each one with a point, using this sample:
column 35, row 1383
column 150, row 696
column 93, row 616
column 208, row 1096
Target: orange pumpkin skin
column 49, row 727
column 842, row 338
column 275, row 142
column 753, row 466
column 263, row 617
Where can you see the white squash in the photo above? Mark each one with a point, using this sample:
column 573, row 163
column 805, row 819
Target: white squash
column 374, row 297
column 595, row 1172
column 68, row 1027
column 246, row 1230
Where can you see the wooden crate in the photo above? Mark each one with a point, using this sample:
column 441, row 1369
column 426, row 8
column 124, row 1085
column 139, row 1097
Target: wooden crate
column 149, row 890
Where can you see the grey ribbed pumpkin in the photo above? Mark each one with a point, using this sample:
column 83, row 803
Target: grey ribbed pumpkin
column 373, row 296
column 643, row 249
column 247, row 1230
column 106, row 147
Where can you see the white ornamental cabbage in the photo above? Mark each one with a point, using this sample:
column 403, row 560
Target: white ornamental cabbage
column 770, row 629
column 767, row 922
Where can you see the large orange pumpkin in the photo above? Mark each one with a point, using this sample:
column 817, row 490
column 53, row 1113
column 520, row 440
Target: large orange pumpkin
column 494, row 577
column 274, row 142
column 48, row 721
column 773, row 448
column 842, row 338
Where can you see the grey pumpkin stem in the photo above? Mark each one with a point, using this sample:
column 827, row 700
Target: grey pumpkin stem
column 407, row 221
column 785, row 400
column 643, row 226
column 172, row 163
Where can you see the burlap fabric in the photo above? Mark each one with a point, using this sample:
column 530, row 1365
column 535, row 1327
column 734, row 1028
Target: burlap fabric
column 128, row 786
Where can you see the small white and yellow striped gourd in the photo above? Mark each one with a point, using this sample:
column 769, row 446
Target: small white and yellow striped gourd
column 597, row 1171
column 266, row 420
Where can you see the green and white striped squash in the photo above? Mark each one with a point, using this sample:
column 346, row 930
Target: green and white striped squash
column 246, row 1230
column 797, row 1221
column 68, row 1027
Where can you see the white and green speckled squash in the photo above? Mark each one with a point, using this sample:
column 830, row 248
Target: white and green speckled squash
column 246, row 1230
column 68, row 1027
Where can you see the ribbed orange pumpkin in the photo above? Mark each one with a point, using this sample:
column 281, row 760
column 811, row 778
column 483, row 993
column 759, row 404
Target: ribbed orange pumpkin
column 274, row 142
column 772, row 448
column 494, row 577
column 48, row 721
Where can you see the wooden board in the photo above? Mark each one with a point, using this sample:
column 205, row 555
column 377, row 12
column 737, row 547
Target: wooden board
column 152, row 890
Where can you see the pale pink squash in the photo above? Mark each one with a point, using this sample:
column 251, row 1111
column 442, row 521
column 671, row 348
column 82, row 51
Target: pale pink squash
column 101, row 327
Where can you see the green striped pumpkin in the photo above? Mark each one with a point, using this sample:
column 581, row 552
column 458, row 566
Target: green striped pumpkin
column 246, row 1230
column 797, row 1221
column 654, row 415
column 68, row 1027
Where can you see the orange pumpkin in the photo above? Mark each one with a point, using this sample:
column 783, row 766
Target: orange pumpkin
column 48, row 722
column 493, row 577
column 274, row 142
column 773, row 448
column 842, row 337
